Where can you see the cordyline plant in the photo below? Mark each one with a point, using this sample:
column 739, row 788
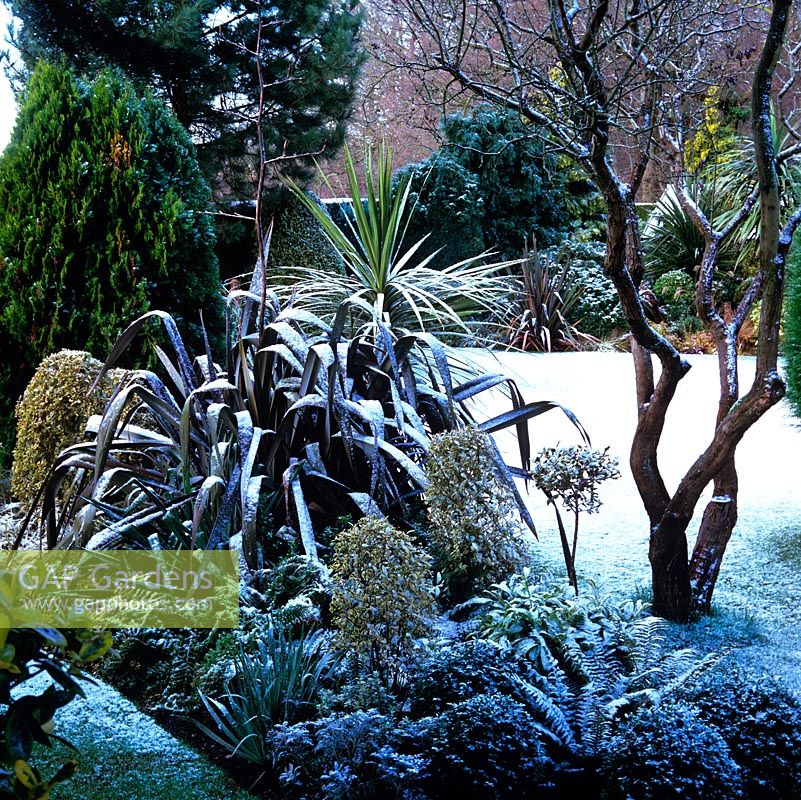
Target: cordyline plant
column 605, row 78
column 546, row 301
column 385, row 271
column 301, row 425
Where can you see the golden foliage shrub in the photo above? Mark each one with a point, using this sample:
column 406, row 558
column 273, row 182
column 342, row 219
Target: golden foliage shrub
column 52, row 414
column 382, row 594
column 476, row 532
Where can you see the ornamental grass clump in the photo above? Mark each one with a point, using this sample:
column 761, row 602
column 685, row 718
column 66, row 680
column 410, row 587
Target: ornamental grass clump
column 382, row 595
column 52, row 415
column 476, row 534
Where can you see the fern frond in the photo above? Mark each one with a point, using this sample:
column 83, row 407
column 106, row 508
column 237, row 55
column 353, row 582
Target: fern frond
column 556, row 724
column 648, row 641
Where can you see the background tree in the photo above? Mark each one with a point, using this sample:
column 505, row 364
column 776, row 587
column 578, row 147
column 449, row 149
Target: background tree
column 491, row 186
column 198, row 55
column 102, row 216
column 606, row 77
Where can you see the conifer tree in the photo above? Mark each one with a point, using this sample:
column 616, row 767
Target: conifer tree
column 198, row 55
column 102, row 217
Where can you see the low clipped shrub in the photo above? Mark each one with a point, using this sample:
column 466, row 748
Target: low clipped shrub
column 669, row 752
column 761, row 724
column 487, row 746
column 382, row 595
column 460, row 671
column 476, row 535
column 675, row 290
column 597, row 311
column 52, row 415
column 298, row 240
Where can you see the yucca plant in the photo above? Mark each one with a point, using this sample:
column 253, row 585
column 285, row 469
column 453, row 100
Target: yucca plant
column 671, row 240
column 301, row 425
column 384, row 270
column 278, row 683
column 546, row 301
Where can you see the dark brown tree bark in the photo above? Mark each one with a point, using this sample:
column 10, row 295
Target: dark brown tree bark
column 717, row 525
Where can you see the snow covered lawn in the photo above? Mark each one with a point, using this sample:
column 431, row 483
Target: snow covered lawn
column 758, row 598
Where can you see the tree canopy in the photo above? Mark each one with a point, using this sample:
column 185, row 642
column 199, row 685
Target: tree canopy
column 199, row 56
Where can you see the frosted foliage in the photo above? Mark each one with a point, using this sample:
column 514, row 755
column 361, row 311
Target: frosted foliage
column 573, row 474
column 382, row 594
column 475, row 528
column 53, row 412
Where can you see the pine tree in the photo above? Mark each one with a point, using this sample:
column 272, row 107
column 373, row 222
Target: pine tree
column 102, row 216
column 198, row 56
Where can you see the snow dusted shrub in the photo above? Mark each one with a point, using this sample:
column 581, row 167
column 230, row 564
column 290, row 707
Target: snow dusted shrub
column 52, row 414
column 546, row 624
column 460, row 671
column 476, row 533
column 487, row 746
column 761, row 723
column 382, row 595
column 598, row 310
column 342, row 757
column 669, row 752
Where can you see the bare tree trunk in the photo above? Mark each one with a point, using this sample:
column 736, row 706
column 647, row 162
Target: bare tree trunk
column 720, row 517
column 590, row 99
column 670, row 572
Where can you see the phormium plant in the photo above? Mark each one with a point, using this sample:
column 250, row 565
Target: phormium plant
column 301, row 425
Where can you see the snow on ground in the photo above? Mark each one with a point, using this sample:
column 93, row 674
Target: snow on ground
column 758, row 598
column 125, row 755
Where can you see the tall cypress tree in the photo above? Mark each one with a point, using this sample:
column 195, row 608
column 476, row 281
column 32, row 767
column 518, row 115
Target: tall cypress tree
column 102, row 216
column 198, row 55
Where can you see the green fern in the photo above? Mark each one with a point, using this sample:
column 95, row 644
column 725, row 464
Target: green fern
column 599, row 660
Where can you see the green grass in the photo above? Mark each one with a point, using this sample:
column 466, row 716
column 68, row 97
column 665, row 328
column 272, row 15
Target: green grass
column 125, row 755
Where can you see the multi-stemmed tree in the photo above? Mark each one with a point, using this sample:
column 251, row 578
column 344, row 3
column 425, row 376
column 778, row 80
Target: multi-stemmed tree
column 615, row 83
